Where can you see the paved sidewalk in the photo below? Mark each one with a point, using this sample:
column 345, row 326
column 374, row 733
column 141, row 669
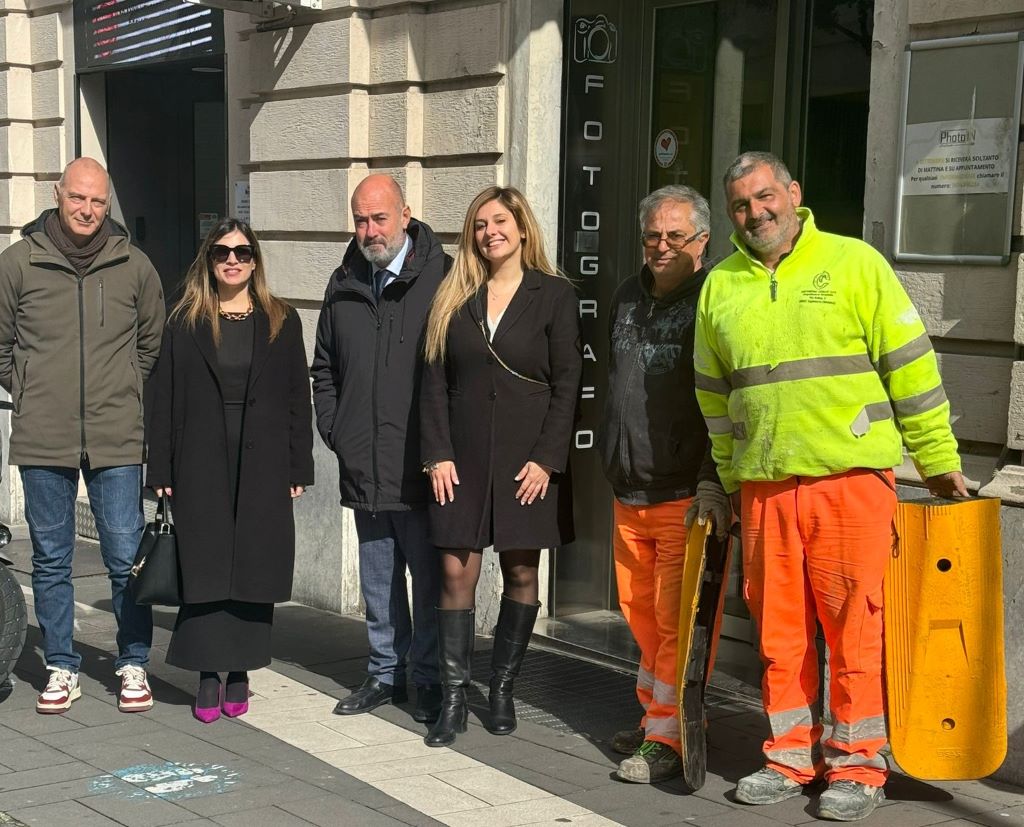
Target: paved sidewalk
column 291, row 762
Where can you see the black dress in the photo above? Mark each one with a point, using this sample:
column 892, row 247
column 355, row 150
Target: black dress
column 490, row 421
column 227, row 635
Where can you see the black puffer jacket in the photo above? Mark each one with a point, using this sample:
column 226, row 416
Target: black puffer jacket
column 654, row 442
column 366, row 375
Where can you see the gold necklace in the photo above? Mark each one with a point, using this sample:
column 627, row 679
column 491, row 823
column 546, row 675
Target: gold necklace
column 236, row 317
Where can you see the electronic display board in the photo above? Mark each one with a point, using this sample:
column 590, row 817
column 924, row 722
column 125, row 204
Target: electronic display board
column 122, row 33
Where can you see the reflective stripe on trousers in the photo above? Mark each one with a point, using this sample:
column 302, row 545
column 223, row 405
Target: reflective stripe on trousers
column 815, row 549
column 650, row 544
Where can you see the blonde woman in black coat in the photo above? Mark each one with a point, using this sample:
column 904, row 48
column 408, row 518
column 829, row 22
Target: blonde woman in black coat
column 498, row 403
column 232, row 443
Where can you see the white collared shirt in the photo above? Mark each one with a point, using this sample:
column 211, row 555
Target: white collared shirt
column 394, row 267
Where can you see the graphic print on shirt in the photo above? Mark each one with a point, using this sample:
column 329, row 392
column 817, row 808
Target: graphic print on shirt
column 656, row 340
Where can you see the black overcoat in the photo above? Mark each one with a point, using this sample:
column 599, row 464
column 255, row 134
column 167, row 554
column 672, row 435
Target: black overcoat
column 248, row 556
column 490, row 422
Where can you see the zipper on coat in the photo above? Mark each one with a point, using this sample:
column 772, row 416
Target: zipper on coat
column 373, row 407
column 391, row 331
column 103, row 306
column 773, row 285
column 81, row 365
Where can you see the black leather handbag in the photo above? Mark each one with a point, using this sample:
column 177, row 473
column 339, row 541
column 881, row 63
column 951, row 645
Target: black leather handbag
column 155, row 578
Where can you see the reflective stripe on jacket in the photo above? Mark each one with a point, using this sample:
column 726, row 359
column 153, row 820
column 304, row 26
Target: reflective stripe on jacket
column 817, row 368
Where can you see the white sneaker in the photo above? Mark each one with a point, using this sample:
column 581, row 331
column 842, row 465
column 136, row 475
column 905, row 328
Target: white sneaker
column 61, row 690
column 135, row 695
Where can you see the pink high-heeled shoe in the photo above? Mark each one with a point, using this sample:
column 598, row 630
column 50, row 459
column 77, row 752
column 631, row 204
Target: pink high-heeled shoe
column 233, row 710
column 208, row 715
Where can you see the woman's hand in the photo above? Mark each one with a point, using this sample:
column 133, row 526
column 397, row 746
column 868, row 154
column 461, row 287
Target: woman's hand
column 443, row 479
column 534, row 481
column 161, row 491
column 297, row 491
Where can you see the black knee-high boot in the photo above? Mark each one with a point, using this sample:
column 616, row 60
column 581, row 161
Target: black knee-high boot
column 455, row 636
column 511, row 639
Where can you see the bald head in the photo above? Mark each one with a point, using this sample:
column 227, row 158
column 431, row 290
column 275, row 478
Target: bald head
column 380, row 215
column 84, row 166
column 83, row 199
column 378, row 187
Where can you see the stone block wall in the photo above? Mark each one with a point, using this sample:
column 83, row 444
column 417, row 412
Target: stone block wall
column 36, row 134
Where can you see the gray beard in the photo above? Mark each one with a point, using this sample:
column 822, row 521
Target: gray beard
column 770, row 244
column 384, row 257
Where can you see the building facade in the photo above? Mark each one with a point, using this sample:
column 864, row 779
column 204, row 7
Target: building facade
column 277, row 112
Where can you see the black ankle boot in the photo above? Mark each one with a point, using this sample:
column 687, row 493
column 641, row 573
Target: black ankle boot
column 511, row 638
column 455, row 636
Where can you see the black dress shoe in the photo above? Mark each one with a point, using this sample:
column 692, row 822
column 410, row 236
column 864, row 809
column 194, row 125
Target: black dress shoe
column 369, row 696
column 428, row 702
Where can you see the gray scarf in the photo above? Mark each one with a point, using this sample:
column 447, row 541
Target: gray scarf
column 81, row 258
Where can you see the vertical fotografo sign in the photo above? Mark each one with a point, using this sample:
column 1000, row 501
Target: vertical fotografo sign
column 590, row 189
column 590, row 218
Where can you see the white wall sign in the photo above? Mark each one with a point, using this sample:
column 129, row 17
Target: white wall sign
column 242, row 201
column 958, row 144
column 959, row 157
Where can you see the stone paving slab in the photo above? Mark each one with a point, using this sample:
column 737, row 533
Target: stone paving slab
column 290, row 761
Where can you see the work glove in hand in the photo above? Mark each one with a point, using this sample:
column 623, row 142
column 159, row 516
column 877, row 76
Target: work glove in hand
column 710, row 499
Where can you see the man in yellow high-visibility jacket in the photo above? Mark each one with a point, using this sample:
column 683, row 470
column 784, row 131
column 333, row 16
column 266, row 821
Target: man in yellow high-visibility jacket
column 813, row 369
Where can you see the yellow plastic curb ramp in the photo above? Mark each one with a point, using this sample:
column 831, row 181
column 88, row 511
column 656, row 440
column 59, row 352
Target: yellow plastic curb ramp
column 943, row 615
column 701, row 599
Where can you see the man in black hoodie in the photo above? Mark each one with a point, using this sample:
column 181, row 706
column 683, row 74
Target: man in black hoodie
column 366, row 376
column 655, row 452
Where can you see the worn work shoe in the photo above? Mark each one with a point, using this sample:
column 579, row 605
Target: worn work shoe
column 652, row 762
column 627, row 741
column 767, row 786
column 61, row 689
column 135, row 695
column 849, row 801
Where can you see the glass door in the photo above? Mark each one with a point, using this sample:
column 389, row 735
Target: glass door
column 662, row 92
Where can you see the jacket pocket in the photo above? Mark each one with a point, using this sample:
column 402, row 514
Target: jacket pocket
column 138, row 378
column 18, row 387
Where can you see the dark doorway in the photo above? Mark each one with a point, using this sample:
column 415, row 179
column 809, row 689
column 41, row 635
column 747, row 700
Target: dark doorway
column 167, row 155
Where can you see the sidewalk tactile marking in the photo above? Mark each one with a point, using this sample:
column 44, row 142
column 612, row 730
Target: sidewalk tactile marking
column 439, row 782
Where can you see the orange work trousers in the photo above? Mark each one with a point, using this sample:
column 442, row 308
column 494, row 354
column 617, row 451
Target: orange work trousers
column 816, row 548
column 650, row 545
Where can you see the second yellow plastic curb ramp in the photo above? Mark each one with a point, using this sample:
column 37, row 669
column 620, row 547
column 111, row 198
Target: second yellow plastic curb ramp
column 944, row 640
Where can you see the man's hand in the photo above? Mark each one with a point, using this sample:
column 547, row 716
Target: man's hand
column 950, row 485
column 443, row 480
column 710, row 498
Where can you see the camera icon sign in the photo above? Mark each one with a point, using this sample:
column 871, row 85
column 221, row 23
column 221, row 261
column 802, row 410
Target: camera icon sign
column 595, row 40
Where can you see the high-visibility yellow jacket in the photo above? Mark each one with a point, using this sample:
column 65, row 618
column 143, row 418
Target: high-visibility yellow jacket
column 817, row 368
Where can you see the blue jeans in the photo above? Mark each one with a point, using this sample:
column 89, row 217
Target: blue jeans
column 115, row 496
column 390, row 541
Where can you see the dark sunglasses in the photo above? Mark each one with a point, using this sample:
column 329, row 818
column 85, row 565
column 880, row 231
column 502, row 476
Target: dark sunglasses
column 243, row 253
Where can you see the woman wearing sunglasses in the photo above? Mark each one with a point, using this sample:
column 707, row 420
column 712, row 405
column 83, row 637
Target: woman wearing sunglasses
column 502, row 376
column 231, row 443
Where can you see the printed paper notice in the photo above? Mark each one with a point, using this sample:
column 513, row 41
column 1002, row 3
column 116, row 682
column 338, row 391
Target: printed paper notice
column 242, row 201
column 959, row 157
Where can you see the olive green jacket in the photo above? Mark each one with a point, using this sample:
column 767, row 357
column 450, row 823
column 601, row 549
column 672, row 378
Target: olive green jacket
column 74, row 351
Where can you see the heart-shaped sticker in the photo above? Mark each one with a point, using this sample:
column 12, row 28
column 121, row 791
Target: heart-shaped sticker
column 666, row 142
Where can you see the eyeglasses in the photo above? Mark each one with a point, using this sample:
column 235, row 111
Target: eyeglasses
column 244, row 253
column 673, row 239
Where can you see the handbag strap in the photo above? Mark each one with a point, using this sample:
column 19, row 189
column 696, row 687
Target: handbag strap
column 490, row 347
column 162, row 510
